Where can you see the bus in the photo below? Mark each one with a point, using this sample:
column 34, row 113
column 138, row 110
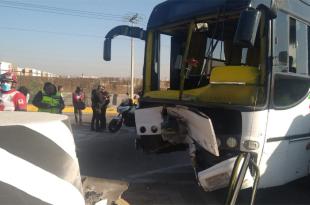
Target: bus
column 238, row 96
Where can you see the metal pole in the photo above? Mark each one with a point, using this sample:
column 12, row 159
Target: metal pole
column 132, row 19
column 132, row 68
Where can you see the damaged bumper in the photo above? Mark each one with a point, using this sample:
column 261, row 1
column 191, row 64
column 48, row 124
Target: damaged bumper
column 219, row 175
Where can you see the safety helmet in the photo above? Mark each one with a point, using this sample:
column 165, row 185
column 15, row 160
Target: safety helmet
column 9, row 77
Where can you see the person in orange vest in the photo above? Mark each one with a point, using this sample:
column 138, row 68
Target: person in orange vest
column 10, row 98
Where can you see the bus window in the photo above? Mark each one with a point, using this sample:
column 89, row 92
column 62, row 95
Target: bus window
column 302, row 50
column 165, row 53
column 289, row 90
column 292, row 46
column 281, row 42
column 308, row 50
column 298, row 51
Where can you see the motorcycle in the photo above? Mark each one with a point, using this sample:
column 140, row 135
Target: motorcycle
column 126, row 116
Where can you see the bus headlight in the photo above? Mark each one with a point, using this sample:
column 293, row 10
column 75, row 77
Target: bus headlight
column 231, row 142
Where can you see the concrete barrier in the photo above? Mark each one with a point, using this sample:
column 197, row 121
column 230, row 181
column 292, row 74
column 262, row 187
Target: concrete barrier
column 38, row 160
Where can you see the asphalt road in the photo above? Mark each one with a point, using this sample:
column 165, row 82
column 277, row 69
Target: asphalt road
column 135, row 178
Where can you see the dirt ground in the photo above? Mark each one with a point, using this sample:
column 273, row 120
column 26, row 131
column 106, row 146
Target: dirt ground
column 135, row 178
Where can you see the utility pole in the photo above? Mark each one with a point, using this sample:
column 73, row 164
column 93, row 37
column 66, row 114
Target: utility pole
column 133, row 19
column 132, row 67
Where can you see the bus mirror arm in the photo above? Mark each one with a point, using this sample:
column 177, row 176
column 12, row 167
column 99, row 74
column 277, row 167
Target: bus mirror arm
column 270, row 11
column 107, row 49
column 130, row 31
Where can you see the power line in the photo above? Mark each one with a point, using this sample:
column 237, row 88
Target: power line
column 43, row 7
column 67, row 14
column 54, row 12
column 30, row 5
column 61, row 11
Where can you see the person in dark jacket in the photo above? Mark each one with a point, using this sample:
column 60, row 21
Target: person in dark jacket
column 94, row 101
column 100, row 100
column 49, row 100
column 104, row 102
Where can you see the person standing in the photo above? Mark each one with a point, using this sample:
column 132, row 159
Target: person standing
column 60, row 89
column 78, row 101
column 25, row 91
column 94, row 102
column 11, row 99
column 49, row 100
column 104, row 100
column 100, row 100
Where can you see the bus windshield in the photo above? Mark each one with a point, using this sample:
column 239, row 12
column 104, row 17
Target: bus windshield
column 199, row 49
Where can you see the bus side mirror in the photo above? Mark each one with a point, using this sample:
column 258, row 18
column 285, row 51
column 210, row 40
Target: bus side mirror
column 247, row 28
column 107, row 49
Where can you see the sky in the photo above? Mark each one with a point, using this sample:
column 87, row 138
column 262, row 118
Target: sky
column 34, row 33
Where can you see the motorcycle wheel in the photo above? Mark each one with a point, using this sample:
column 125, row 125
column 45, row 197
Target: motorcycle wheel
column 115, row 125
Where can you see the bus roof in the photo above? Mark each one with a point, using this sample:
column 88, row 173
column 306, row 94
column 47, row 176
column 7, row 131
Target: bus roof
column 298, row 9
column 172, row 11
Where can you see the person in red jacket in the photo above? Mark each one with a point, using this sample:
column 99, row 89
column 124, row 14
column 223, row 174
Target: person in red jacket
column 78, row 101
column 10, row 98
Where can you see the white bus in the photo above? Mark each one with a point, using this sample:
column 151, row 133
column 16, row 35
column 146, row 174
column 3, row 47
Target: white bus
column 238, row 98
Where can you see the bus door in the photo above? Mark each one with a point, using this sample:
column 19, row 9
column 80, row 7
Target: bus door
column 286, row 153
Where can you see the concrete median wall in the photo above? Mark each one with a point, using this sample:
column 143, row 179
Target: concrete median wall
column 39, row 163
column 118, row 86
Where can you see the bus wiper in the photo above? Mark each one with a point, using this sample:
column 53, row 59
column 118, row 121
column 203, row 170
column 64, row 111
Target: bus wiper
column 213, row 45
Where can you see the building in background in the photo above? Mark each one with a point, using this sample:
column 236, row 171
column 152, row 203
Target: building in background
column 26, row 71
column 5, row 67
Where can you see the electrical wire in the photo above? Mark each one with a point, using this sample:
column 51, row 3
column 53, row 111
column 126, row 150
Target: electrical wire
column 62, row 11
column 37, row 6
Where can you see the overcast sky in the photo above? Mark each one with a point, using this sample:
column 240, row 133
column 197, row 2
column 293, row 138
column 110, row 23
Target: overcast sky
column 66, row 36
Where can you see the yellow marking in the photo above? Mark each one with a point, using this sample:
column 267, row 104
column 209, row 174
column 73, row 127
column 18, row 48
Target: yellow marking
column 70, row 109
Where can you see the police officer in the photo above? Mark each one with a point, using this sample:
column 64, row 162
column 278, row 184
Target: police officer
column 10, row 98
column 49, row 100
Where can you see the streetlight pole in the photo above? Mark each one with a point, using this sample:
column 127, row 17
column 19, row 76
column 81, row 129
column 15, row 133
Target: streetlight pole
column 133, row 19
column 132, row 67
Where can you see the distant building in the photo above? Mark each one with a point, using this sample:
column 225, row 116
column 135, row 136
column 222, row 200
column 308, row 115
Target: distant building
column 35, row 73
column 27, row 71
column 18, row 71
column 44, row 74
column 5, row 67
